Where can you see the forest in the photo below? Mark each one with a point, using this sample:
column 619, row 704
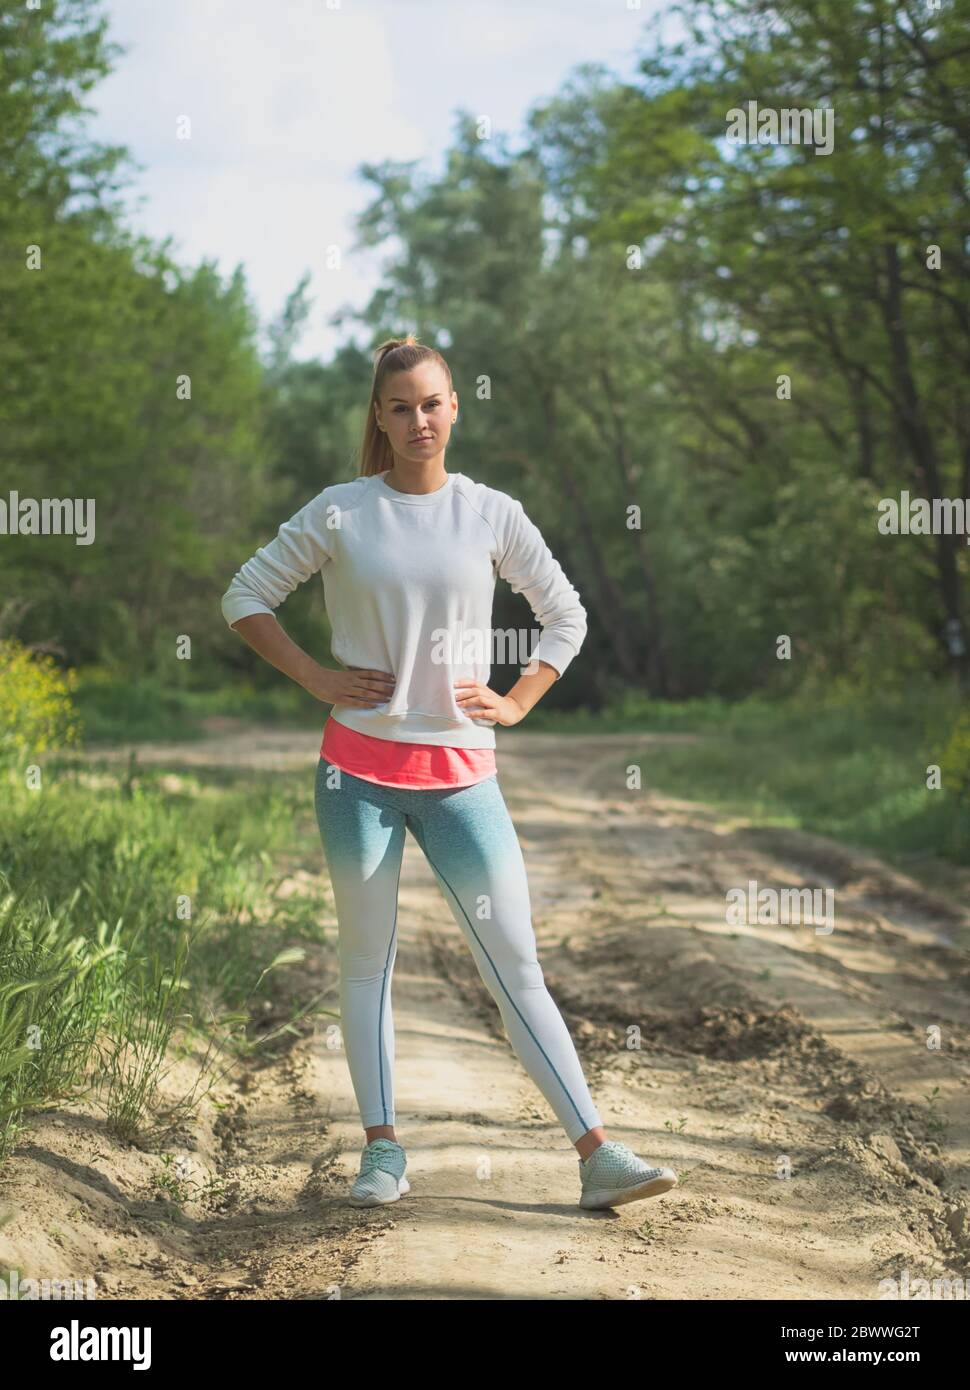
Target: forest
column 703, row 364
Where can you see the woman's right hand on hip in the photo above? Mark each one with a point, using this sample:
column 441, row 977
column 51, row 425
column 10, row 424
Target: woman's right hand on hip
column 357, row 685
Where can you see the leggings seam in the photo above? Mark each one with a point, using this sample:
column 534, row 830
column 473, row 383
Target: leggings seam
column 380, row 1011
column 355, row 830
column 508, row 996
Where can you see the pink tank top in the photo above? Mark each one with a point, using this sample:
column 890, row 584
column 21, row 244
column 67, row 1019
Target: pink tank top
column 393, row 764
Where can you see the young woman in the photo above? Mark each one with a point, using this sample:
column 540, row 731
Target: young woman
column 409, row 555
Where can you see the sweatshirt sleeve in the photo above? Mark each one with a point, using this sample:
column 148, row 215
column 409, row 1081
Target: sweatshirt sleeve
column 531, row 569
column 300, row 548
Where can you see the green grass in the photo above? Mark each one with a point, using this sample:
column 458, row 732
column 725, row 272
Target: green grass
column 119, row 710
column 849, row 766
column 130, row 913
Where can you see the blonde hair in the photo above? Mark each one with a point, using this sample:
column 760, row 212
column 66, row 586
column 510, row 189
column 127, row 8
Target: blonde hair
column 394, row 355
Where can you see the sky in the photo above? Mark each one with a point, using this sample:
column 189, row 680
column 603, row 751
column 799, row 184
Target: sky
column 286, row 99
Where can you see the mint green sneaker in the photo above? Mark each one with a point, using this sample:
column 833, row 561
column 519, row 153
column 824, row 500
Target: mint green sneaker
column 381, row 1177
column 613, row 1175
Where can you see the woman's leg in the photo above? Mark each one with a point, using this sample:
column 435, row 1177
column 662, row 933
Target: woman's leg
column 362, row 829
column 470, row 842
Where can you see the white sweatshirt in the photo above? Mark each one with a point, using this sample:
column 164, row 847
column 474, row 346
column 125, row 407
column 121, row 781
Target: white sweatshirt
column 408, row 582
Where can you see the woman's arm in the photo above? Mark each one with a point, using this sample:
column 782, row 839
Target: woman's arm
column 532, row 685
column 301, row 547
column 531, row 569
column 477, row 700
column 355, row 686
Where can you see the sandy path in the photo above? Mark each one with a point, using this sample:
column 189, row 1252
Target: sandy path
column 764, row 1050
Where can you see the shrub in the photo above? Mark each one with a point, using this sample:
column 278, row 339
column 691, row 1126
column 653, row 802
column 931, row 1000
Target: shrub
column 955, row 763
column 37, row 710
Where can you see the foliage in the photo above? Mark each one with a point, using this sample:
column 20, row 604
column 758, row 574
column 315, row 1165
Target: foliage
column 955, row 761
column 131, row 912
column 36, row 707
column 618, row 297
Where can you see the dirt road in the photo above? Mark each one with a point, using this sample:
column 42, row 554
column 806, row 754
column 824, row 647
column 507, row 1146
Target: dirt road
column 811, row 1089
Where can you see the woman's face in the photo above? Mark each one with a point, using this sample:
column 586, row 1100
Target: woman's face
column 417, row 410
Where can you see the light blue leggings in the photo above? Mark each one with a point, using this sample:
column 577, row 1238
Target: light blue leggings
column 467, row 836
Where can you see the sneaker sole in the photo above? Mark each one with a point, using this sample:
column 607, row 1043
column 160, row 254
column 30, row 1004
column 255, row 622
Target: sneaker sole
column 375, row 1201
column 593, row 1201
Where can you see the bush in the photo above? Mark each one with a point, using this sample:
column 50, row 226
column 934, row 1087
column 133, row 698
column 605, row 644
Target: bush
column 955, row 763
column 36, row 705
